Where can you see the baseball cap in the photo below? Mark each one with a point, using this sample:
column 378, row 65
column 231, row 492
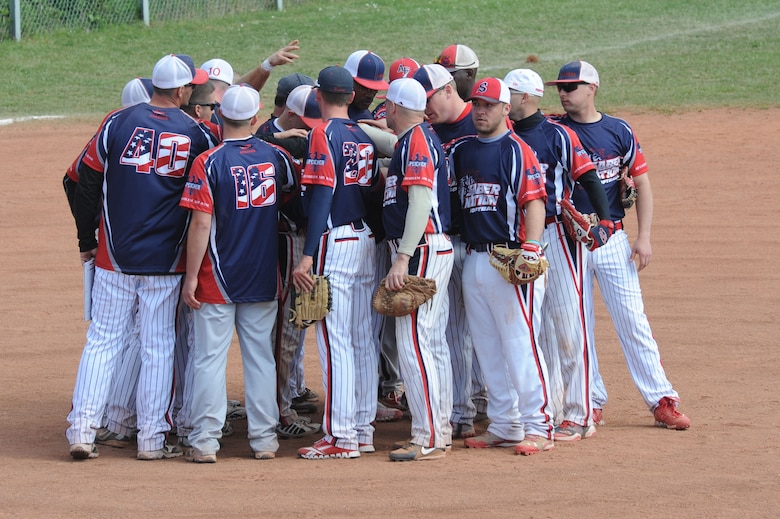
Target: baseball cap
column 432, row 78
column 219, row 69
column 403, row 67
column 303, row 101
column 575, row 72
column 525, row 81
column 176, row 70
column 137, row 90
column 290, row 81
column 457, row 57
column 408, row 93
column 367, row 69
column 334, row 79
column 492, row 90
column 240, row 102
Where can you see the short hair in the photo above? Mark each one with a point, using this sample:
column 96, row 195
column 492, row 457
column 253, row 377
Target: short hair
column 236, row 124
column 336, row 99
column 201, row 92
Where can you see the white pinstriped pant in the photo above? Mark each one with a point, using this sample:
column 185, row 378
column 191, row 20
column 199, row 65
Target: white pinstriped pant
column 115, row 297
column 347, row 347
column 563, row 332
column 423, row 353
column 618, row 282
column 503, row 319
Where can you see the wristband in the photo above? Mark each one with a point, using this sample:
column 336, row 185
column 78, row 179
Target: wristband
column 538, row 244
column 266, row 65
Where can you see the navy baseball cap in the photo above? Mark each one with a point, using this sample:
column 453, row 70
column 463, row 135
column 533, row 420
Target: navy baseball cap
column 576, row 72
column 290, row 81
column 367, row 69
column 335, row 79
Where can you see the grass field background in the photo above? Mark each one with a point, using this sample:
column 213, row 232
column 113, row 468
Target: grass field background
column 662, row 55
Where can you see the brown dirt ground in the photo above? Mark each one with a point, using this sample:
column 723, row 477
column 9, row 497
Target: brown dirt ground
column 715, row 325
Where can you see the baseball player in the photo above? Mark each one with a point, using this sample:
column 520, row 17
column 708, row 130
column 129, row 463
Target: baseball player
column 562, row 337
column 612, row 144
column 462, row 63
column 339, row 172
column 416, row 215
column 368, row 71
column 139, row 162
column 503, row 196
column 234, row 191
column 302, row 113
column 451, row 119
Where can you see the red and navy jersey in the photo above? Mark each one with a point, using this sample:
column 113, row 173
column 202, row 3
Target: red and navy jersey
column 240, row 184
column 611, row 143
column 341, row 157
column 449, row 133
column 145, row 153
column 418, row 160
column 358, row 115
column 560, row 154
column 269, row 126
column 380, row 112
column 496, row 178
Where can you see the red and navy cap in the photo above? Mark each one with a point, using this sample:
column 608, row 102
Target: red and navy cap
column 367, row 69
column 432, row 78
column 577, row 72
column 492, row 90
column 176, row 70
column 303, row 101
column 403, row 67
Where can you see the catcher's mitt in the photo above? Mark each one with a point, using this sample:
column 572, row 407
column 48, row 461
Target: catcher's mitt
column 519, row 266
column 585, row 228
column 309, row 307
column 628, row 192
column 396, row 303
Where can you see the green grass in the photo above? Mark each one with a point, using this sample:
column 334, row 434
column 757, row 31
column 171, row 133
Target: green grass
column 663, row 55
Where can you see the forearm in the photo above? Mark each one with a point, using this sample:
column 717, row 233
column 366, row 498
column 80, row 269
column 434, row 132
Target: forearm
column 596, row 195
column 417, row 215
column 86, row 206
column 197, row 242
column 321, row 198
column 644, row 206
column 534, row 220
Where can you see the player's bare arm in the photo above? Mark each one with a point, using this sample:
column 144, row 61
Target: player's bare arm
column 641, row 250
column 395, row 276
column 302, row 278
column 197, row 241
column 258, row 76
column 534, row 219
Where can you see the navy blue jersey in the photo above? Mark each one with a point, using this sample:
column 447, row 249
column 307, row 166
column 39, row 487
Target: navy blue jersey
column 561, row 156
column 145, row 153
column 240, row 183
column 418, row 160
column 496, row 178
column 611, row 144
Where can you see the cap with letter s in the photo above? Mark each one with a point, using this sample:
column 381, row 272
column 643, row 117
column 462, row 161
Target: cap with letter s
column 492, row 90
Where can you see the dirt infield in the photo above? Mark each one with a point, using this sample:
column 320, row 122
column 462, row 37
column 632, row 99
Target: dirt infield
column 711, row 293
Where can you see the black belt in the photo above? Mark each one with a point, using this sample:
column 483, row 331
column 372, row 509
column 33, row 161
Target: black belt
column 357, row 225
column 487, row 247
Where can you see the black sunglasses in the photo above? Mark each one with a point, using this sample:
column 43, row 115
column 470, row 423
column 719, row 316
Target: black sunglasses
column 213, row 106
column 570, row 87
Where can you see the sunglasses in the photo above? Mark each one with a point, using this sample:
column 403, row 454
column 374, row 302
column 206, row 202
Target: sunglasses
column 213, row 106
column 570, row 87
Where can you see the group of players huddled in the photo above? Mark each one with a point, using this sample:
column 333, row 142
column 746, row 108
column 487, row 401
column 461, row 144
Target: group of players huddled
column 202, row 220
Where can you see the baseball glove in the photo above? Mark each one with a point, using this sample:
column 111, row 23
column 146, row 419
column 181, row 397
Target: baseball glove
column 585, row 228
column 519, row 266
column 309, row 307
column 396, row 303
column 628, row 192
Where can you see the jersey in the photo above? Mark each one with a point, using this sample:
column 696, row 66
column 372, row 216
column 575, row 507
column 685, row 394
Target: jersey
column 611, row 144
column 145, row 153
column 560, row 154
column 239, row 183
column 418, row 160
column 496, row 178
column 358, row 115
column 341, row 157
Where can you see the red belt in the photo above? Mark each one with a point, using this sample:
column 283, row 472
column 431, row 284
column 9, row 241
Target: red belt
column 557, row 218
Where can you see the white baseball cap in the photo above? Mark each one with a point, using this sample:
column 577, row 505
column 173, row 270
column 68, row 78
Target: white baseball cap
column 219, row 69
column 303, row 101
column 432, row 78
column 525, row 81
column 457, row 57
column 408, row 93
column 177, row 70
column 492, row 90
column 240, row 102
column 137, row 90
